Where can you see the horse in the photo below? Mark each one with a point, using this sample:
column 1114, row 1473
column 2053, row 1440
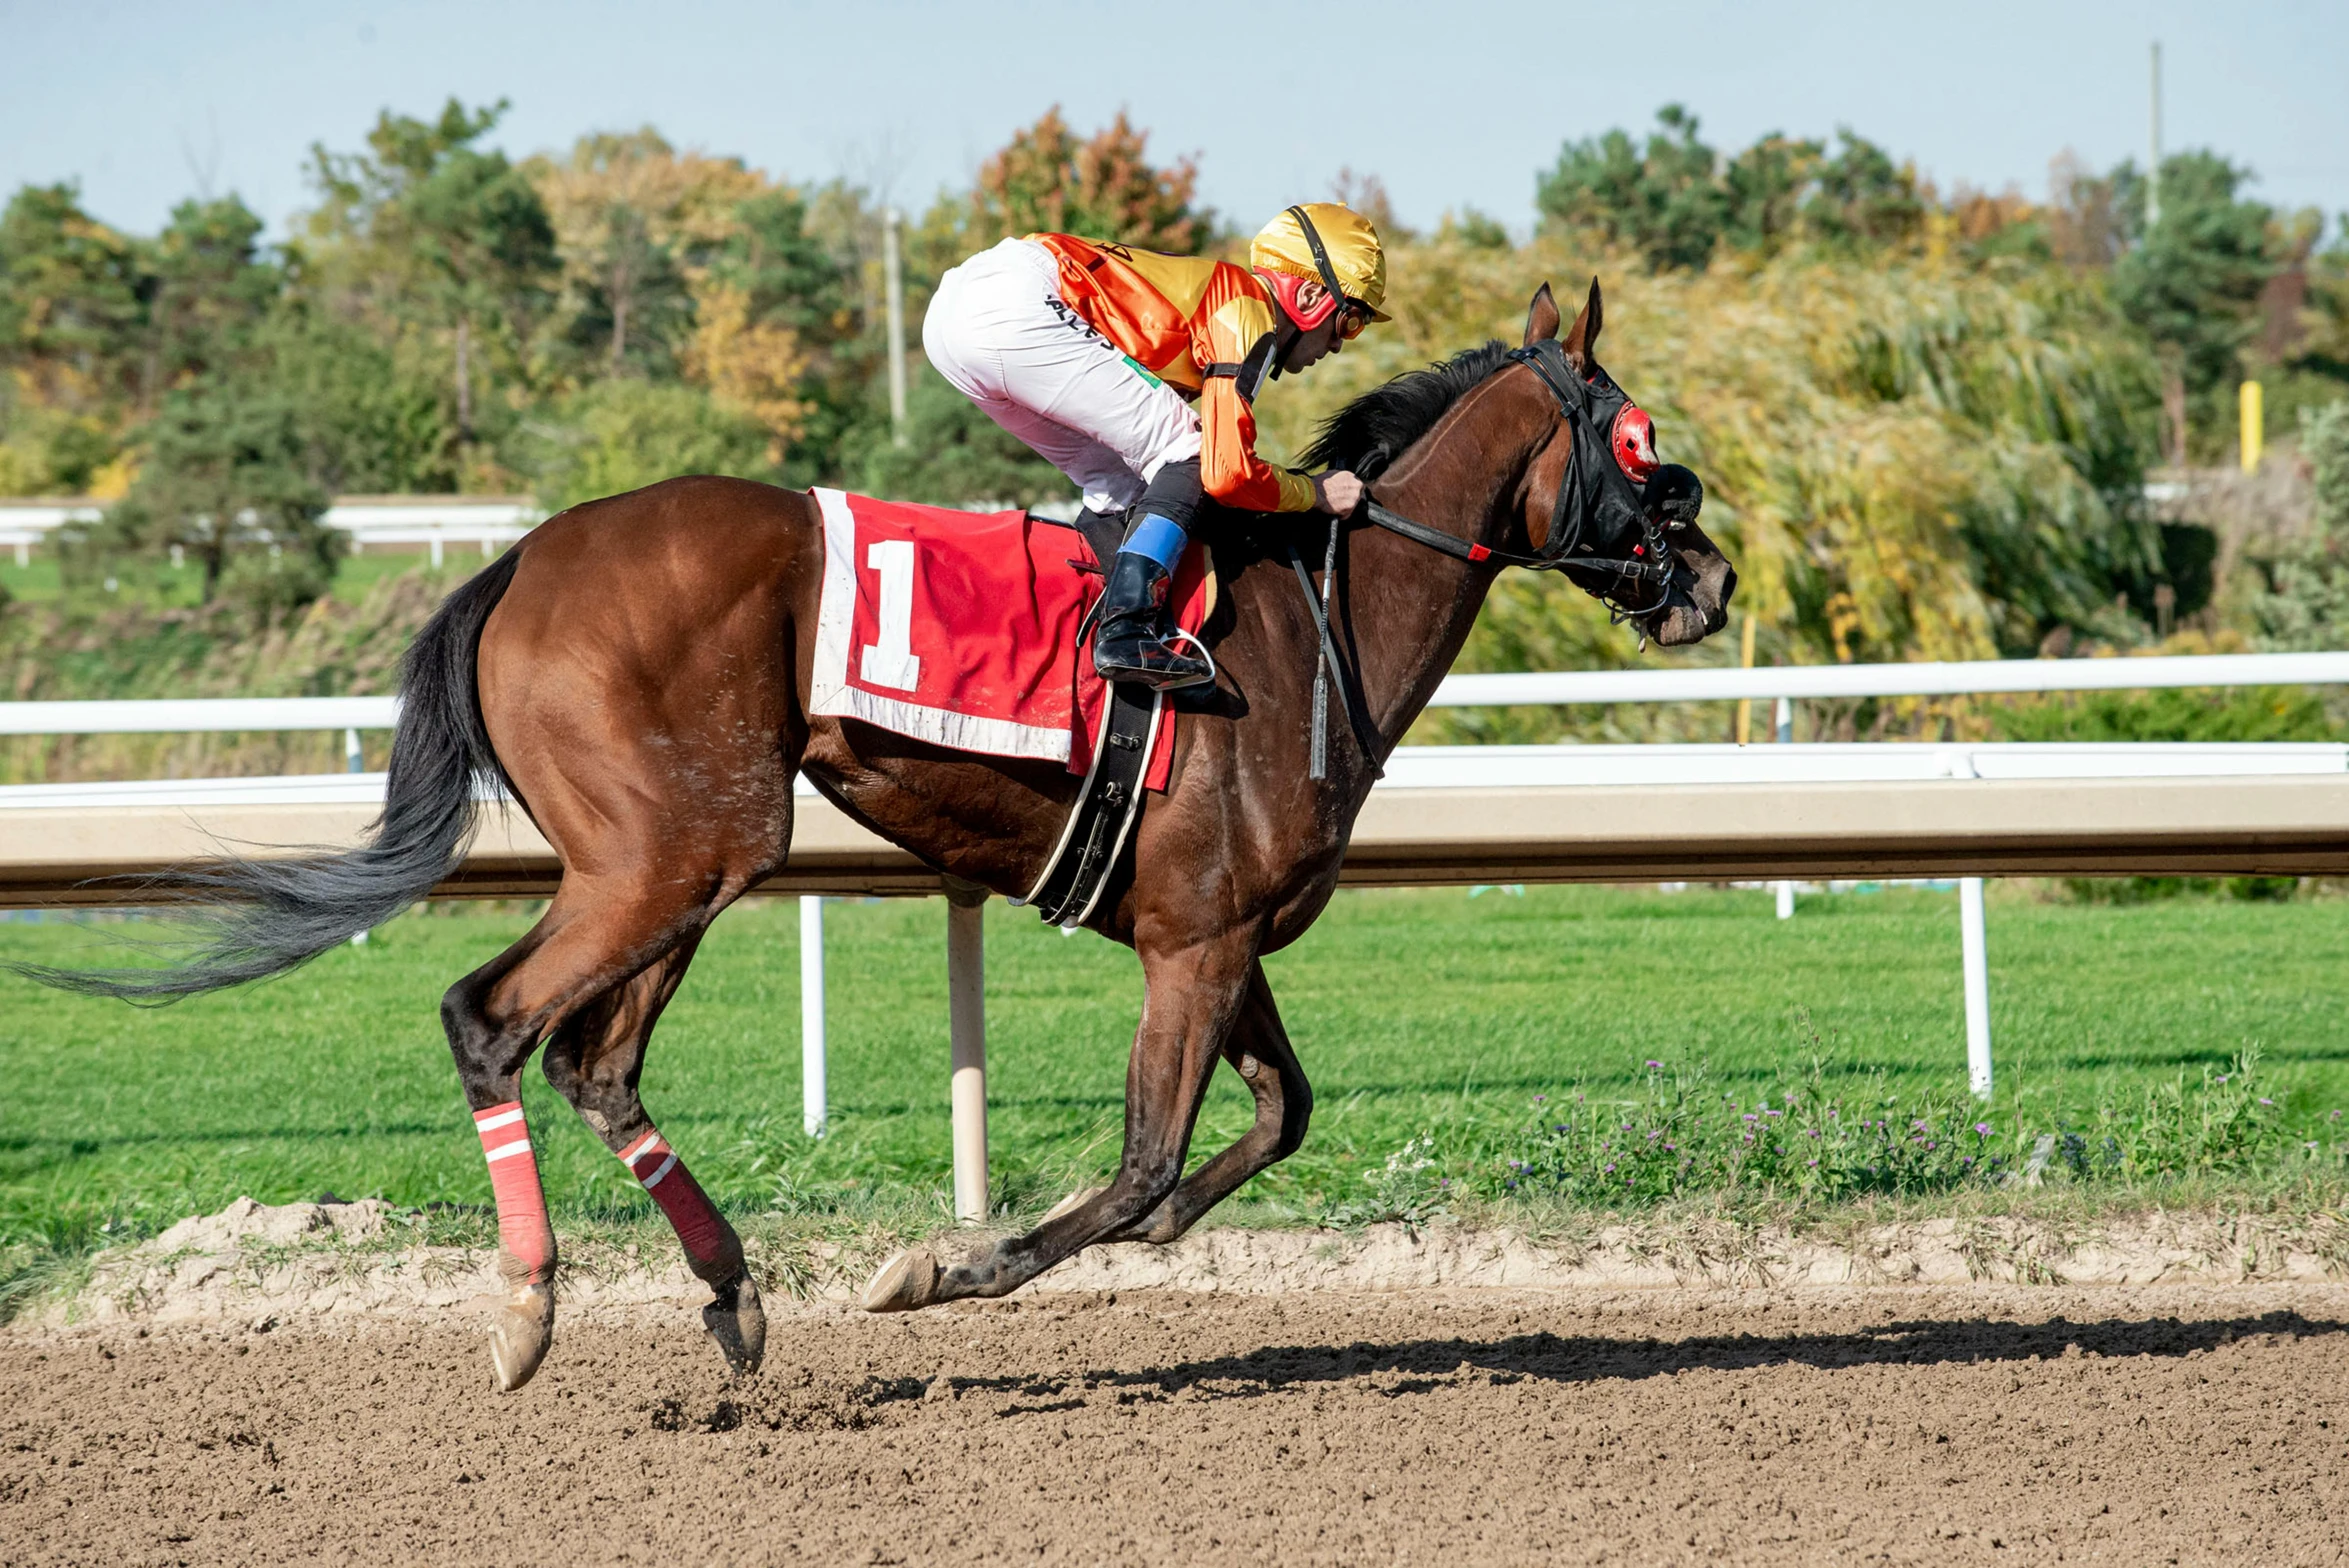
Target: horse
column 635, row 675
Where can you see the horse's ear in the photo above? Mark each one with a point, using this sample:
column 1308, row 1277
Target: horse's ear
column 1541, row 317
column 1582, row 339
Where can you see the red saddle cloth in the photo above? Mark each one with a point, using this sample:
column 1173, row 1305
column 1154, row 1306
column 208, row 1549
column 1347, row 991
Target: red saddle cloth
column 960, row 629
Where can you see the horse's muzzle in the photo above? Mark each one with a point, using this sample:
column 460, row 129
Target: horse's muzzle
column 1703, row 581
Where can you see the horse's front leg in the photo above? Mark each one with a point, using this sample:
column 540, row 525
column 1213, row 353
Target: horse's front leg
column 1258, row 1049
column 1191, row 997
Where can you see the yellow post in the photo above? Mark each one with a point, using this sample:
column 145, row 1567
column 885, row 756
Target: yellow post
column 2254, row 427
column 1745, row 661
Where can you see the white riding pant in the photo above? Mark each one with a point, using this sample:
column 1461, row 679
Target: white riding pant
column 1000, row 334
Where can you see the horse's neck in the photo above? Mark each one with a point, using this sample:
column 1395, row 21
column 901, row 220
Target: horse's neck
column 1410, row 607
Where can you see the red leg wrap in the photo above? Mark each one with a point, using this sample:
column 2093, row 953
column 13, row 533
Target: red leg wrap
column 654, row 1163
column 523, row 1228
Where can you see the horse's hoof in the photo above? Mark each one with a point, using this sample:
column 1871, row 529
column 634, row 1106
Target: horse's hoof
column 1074, row 1201
column 519, row 1338
column 738, row 1323
column 907, row 1281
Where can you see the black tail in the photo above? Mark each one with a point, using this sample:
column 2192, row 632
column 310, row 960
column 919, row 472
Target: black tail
column 274, row 915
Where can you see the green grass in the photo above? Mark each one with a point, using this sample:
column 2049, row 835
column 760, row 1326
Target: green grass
column 1415, row 1013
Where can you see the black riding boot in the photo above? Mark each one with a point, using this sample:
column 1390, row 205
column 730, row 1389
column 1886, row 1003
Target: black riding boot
column 1128, row 644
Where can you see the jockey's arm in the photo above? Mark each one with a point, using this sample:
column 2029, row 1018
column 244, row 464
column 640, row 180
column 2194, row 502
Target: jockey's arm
column 1234, row 347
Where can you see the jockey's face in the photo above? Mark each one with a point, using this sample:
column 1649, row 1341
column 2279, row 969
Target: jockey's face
column 1312, row 344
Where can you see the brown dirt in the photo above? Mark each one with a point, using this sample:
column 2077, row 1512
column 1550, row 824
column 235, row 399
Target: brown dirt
column 2190, row 1423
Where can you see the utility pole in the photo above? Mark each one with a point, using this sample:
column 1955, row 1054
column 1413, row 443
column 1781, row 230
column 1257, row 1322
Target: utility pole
column 2153, row 148
column 895, row 284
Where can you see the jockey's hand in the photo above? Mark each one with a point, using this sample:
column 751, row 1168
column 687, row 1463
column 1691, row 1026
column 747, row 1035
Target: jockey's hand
column 1337, row 493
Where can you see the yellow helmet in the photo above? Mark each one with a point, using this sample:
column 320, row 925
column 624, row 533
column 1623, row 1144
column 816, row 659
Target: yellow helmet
column 1348, row 260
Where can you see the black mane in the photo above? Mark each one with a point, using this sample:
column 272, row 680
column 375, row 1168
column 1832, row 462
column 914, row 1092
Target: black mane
column 1375, row 429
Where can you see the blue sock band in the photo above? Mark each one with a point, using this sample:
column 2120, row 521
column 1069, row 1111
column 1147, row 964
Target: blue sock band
column 1162, row 541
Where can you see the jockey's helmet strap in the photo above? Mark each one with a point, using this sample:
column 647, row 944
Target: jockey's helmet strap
column 1329, row 274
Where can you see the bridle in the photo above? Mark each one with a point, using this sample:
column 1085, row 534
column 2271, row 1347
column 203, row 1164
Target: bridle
column 1593, row 489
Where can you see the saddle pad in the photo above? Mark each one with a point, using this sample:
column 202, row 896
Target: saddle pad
column 960, row 629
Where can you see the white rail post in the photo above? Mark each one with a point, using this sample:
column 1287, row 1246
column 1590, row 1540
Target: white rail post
column 1977, row 964
column 353, row 762
column 966, row 1012
column 812, row 1105
column 1784, row 734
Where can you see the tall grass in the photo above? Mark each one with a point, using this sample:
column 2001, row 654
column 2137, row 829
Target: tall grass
column 86, row 645
column 1906, row 459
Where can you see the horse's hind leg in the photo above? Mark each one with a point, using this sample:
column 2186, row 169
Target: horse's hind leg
column 1259, row 1051
column 595, row 1061
column 596, row 934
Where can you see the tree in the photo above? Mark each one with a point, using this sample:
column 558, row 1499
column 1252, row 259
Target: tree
column 72, row 311
column 225, row 482
column 2191, row 281
column 1862, row 199
column 1766, row 185
column 70, row 298
column 1665, row 201
column 210, row 290
column 1048, row 181
column 466, row 235
column 1675, row 201
column 626, row 432
column 769, row 312
column 637, row 222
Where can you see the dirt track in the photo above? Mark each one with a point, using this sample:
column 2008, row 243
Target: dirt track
column 1994, row 1423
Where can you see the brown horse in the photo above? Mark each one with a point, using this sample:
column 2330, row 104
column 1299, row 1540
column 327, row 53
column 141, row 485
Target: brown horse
column 636, row 674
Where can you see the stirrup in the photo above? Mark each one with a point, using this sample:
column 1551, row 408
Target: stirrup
column 1173, row 678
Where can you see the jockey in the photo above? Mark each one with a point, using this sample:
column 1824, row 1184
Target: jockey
column 1133, row 373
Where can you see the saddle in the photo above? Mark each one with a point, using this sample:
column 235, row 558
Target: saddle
column 967, row 630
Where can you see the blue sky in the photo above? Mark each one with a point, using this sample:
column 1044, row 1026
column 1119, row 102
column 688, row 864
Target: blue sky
column 1451, row 104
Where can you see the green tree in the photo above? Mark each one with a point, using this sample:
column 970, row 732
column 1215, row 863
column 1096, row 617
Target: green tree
column 209, row 291
column 1664, row 200
column 625, row 433
column 1862, row 199
column 799, row 297
column 226, row 482
column 470, row 244
column 2191, row 281
column 1766, row 185
column 72, row 314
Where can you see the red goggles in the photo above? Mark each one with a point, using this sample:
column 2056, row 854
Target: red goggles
column 1634, row 442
